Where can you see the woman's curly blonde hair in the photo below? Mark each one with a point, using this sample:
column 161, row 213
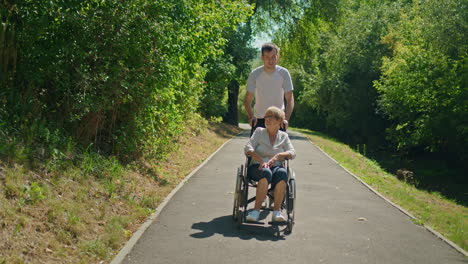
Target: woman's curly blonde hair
column 276, row 112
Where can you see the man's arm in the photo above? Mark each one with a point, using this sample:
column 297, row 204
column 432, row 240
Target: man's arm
column 248, row 107
column 289, row 106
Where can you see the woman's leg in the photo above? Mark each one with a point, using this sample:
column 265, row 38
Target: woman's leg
column 279, row 178
column 280, row 189
column 262, row 188
column 263, row 178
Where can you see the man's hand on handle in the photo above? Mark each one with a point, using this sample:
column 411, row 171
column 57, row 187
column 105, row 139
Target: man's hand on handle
column 253, row 121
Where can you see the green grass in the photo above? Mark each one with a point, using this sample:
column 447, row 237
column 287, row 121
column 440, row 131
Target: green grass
column 430, row 208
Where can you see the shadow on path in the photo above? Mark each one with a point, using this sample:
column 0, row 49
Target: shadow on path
column 225, row 226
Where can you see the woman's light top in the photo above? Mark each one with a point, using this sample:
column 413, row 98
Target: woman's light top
column 260, row 143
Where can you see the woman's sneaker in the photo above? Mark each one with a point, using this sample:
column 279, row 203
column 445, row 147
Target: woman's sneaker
column 253, row 216
column 277, row 217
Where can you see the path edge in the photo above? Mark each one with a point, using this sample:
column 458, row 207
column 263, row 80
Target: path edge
column 428, row 228
column 137, row 235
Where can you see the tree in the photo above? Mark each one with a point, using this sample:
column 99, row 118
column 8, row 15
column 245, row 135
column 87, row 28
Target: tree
column 239, row 52
column 122, row 75
column 336, row 61
column 424, row 82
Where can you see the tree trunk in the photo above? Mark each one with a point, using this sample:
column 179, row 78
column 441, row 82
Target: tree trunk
column 231, row 116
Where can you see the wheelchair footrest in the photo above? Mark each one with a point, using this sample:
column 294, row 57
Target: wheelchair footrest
column 254, row 222
column 278, row 223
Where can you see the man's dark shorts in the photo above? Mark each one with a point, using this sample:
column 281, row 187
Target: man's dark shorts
column 260, row 123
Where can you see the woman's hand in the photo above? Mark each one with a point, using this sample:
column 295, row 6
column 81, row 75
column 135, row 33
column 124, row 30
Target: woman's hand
column 264, row 165
column 272, row 161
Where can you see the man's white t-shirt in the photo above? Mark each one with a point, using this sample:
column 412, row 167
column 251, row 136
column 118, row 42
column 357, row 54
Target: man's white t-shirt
column 269, row 88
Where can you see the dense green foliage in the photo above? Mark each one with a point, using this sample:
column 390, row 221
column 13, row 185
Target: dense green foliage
column 122, row 75
column 227, row 73
column 384, row 73
column 232, row 67
column 126, row 76
column 424, row 82
column 334, row 61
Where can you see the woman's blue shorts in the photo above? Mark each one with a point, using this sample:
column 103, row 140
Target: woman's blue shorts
column 273, row 174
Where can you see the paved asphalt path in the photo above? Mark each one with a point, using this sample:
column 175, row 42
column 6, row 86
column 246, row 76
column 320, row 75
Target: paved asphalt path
column 338, row 220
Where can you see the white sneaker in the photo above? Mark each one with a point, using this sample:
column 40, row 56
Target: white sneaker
column 277, row 217
column 253, row 216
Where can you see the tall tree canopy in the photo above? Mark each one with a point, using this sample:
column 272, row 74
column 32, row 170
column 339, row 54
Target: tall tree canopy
column 423, row 84
column 372, row 71
column 226, row 75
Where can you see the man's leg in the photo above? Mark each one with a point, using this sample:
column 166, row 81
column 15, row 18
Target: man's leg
column 260, row 123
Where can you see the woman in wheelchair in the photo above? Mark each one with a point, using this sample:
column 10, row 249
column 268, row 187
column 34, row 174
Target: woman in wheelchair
column 269, row 147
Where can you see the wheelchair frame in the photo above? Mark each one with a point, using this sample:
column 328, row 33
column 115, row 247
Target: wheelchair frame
column 241, row 198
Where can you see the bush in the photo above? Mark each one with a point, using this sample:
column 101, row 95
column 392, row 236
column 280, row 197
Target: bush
column 123, row 75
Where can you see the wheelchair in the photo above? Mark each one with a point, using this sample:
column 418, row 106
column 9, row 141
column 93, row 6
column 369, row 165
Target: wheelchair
column 241, row 198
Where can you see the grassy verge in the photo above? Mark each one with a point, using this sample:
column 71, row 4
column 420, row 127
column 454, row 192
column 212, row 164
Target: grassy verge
column 430, row 208
column 84, row 211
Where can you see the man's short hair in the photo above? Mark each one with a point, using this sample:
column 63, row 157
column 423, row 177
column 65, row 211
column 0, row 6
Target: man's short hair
column 269, row 47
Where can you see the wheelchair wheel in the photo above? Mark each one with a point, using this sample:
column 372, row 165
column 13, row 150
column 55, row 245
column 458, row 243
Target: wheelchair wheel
column 236, row 212
column 291, row 202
